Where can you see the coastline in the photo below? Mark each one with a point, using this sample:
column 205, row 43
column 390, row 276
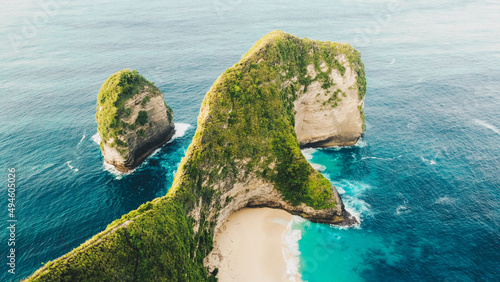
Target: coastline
column 250, row 246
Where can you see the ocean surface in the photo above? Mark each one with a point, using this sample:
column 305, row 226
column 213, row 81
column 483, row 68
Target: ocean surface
column 424, row 180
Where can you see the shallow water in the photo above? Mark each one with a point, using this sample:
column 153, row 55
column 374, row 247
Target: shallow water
column 424, row 182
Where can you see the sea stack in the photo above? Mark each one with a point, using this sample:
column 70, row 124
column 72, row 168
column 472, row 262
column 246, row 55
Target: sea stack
column 132, row 118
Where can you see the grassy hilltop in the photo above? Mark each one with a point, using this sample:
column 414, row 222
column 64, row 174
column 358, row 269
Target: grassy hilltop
column 245, row 132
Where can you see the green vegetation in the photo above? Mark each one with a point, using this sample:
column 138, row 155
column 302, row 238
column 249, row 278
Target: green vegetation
column 362, row 114
column 142, row 118
column 152, row 243
column 145, row 101
column 170, row 113
column 117, row 89
column 245, row 131
column 141, row 133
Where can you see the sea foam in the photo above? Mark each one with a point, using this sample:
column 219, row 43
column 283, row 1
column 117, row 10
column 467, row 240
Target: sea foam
column 308, row 153
column 487, row 125
column 291, row 253
column 180, row 130
column 96, row 138
column 71, row 167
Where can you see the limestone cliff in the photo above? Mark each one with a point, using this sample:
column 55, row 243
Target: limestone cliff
column 331, row 114
column 133, row 119
column 245, row 152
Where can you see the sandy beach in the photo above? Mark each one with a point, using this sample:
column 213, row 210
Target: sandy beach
column 251, row 247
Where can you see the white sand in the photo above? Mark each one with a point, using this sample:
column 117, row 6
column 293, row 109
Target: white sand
column 251, row 245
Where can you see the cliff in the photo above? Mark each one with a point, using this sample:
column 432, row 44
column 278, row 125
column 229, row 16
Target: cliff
column 245, row 152
column 133, row 119
column 329, row 112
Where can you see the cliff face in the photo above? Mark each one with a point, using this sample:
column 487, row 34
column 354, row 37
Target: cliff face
column 133, row 119
column 332, row 114
column 245, row 152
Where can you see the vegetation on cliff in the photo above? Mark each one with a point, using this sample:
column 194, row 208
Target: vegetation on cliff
column 111, row 109
column 245, row 131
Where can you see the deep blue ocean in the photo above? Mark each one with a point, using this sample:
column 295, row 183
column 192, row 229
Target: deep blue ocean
column 424, row 180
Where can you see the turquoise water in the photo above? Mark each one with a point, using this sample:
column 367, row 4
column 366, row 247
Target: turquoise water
column 424, row 180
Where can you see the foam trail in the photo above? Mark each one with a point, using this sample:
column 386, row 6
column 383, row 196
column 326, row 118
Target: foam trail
column 71, row 167
column 445, row 200
column 382, row 159
column 487, row 125
column 290, row 251
column 83, row 138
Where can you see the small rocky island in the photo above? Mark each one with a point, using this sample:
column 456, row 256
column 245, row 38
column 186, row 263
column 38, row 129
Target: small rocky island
column 133, row 120
column 285, row 93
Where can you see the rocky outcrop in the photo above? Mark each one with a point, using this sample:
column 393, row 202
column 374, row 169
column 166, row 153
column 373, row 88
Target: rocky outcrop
column 256, row 192
column 141, row 122
column 332, row 115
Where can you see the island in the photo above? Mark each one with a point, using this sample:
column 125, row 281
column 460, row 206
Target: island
column 284, row 94
column 133, row 119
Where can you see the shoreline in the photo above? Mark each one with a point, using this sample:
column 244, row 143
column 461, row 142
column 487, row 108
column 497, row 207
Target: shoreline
column 250, row 246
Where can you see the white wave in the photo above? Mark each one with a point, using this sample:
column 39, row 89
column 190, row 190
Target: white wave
column 112, row 169
column 382, row 159
column 351, row 187
column 96, row 138
column 360, row 144
column 340, row 190
column 357, row 208
column 308, row 153
column 81, row 140
column 180, row 130
column 392, row 62
column 487, row 125
column 351, row 192
column 402, row 209
column 445, row 200
column 431, row 162
column 318, row 167
column 71, row 167
column 290, row 250
column 119, row 175
column 40, row 168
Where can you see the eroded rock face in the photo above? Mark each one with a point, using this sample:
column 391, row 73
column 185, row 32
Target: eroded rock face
column 143, row 124
column 321, row 121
